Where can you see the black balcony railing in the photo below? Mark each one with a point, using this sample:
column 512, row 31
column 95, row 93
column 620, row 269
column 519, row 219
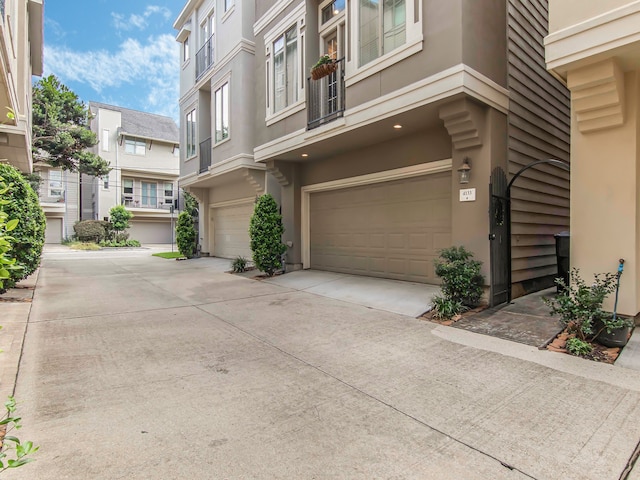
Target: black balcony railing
column 205, row 155
column 204, row 57
column 325, row 97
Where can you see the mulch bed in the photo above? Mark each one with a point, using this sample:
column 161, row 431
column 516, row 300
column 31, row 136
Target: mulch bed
column 429, row 316
column 600, row 353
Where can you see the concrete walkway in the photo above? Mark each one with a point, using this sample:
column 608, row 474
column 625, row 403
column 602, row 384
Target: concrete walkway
column 139, row 367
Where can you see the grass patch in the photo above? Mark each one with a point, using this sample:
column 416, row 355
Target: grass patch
column 167, row 254
column 83, row 246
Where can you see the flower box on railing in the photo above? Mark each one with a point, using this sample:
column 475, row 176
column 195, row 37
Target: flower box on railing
column 325, row 66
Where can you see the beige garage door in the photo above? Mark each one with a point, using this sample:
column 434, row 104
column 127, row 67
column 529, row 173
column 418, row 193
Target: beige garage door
column 390, row 230
column 151, row 232
column 231, row 230
column 53, row 232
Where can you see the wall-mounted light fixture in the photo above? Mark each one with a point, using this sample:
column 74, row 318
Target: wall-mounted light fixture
column 465, row 171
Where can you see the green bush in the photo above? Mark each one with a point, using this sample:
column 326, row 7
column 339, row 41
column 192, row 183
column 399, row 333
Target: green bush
column 91, row 230
column 445, row 309
column 239, row 264
column 7, row 262
column 119, row 217
column 120, row 243
column 578, row 347
column 186, row 235
column 28, row 235
column 265, row 231
column 460, row 274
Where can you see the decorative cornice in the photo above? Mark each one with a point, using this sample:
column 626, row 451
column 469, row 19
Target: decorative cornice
column 271, row 15
column 463, row 120
column 255, row 178
column 597, row 95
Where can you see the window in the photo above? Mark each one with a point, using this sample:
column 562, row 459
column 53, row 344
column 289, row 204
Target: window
column 168, row 193
column 127, row 186
column 334, row 8
column 105, row 182
column 222, row 112
column 185, row 49
column 191, row 133
column 227, row 4
column 382, row 28
column 134, row 146
column 149, row 195
column 55, row 183
column 285, row 69
column 105, row 140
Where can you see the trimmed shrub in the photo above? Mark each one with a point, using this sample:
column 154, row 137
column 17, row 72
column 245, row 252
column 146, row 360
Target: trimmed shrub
column 91, row 230
column 186, row 235
column 265, row 231
column 460, row 274
column 119, row 217
column 28, row 235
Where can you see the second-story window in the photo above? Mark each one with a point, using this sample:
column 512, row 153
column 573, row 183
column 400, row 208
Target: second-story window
column 168, row 193
column 55, row 183
column 285, row 69
column 191, row 133
column 185, row 50
column 105, row 140
column 227, row 4
column 222, row 112
column 382, row 27
column 135, row 146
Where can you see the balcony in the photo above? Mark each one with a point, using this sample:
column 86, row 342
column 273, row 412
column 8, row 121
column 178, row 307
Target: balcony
column 147, row 201
column 325, row 97
column 204, row 58
column 205, row 155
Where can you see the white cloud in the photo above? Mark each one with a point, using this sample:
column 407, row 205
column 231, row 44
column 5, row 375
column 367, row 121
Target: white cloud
column 149, row 71
column 140, row 22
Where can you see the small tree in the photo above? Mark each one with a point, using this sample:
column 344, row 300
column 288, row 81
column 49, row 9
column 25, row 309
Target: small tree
column 265, row 231
column 21, row 203
column 119, row 218
column 186, row 235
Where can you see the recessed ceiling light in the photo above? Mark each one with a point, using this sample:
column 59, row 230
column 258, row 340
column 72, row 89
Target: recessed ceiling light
column 397, row 126
column 305, row 155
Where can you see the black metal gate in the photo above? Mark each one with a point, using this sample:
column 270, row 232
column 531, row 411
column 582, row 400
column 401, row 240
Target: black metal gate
column 499, row 219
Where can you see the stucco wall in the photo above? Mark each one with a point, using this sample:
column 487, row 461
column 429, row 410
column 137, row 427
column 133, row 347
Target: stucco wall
column 564, row 13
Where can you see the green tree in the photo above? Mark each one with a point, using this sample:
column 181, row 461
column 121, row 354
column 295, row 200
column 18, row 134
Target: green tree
column 186, row 235
column 119, row 218
column 265, row 231
column 190, row 205
column 61, row 133
column 28, row 235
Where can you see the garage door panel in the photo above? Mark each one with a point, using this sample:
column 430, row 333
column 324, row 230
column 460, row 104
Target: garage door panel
column 390, row 229
column 231, row 230
column 53, row 231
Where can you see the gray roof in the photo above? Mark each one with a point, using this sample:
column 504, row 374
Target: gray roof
column 144, row 125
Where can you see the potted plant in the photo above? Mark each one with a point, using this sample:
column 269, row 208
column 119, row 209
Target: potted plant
column 323, row 67
column 579, row 307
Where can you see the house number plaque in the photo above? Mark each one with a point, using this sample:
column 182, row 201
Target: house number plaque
column 467, row 194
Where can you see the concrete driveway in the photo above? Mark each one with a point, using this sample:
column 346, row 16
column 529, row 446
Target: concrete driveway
column 136, row 367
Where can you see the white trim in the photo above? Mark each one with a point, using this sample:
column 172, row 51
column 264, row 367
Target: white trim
column 455, row 80
column 243, row 45
column 371, row 178
column 228, row 13
column 597, row 35
column 285, row 112
column 270, row 15
column 233, row 203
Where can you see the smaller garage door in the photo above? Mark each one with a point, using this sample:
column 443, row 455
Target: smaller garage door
column 231, row 230
column 53, row 232
column 151, row 232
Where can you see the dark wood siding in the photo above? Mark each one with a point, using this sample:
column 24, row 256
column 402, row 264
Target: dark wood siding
column 539, row 126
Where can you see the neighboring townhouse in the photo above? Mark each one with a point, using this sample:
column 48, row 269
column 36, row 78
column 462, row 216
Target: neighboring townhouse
column 143, row 152
column 217, row 111
column 59, row 194
column 21, row 42
column 369, row 157
column 594, row 47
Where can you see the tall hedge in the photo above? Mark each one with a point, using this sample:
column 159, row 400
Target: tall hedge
column 186, row 235
column 28, row 236
column 265, row 231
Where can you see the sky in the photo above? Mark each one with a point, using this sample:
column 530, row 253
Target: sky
column 117, row 52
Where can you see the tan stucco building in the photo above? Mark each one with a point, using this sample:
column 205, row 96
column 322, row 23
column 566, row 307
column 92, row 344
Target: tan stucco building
column 364, row 161
column 21, row 47
column 594, row 47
